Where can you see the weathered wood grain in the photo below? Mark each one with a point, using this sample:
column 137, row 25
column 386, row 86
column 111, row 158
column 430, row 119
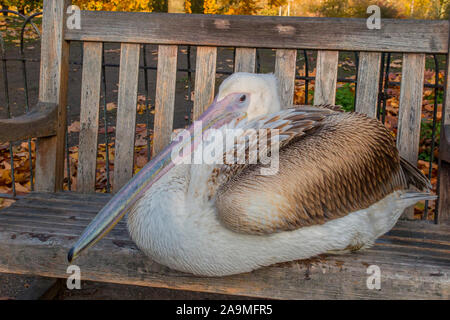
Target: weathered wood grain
column 245, row 60
column 165, row 96
column 58, row 205
column 70, row 196
column 326, row 77
column 285, row 61
column 53, row 89
column 413, row 258
column 16, row 219
column 444, row 152
column 410, row 107
column 40, row 121
column 367, row 85
column 444, row 189
column 205, row 79
column 444, row 147
column 41, row 288
column 90, row 102
column 258, row 31
column 126, row 114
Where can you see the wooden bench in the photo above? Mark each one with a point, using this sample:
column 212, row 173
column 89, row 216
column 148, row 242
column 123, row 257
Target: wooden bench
column 37, row 231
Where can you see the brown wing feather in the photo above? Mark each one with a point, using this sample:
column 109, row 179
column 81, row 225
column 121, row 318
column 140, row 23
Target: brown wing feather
column 346, row 164
column 291, row 123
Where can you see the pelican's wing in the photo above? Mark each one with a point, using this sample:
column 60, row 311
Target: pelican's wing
column 320, row 107
column 339, row 164
column 254, row 140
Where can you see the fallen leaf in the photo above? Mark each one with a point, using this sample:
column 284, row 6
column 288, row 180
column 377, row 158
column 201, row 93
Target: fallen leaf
column 111, row 106
column 74, row 127
column 20, row 188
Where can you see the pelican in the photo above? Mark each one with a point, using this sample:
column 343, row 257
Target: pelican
column 339, row 185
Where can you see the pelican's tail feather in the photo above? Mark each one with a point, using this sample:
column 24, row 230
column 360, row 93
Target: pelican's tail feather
column 412, row 197
column 414, row 177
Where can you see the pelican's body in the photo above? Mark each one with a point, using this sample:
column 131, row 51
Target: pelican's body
column 340, row 185
column 182, row 231
column 177, row 223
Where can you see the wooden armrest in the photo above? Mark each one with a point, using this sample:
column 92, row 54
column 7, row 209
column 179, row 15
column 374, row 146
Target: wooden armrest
column 444, row 152
column 40, row 121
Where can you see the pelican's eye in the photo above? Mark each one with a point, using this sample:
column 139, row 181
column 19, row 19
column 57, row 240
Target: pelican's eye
column 242, row 98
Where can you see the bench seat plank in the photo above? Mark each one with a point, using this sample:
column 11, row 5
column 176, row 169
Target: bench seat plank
column 37, row 231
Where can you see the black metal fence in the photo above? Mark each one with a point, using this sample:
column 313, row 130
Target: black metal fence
column 304, row 81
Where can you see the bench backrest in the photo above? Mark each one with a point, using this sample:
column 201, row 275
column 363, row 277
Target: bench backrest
column 413, row 38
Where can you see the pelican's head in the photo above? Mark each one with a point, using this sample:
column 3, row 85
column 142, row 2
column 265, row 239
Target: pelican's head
column 233, row 107
column 262, row 88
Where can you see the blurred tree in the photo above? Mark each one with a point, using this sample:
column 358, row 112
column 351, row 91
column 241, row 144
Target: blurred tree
column 187, row 6
column 23, row 6
column 176, row 6
column 247, row 7
column 210, row 7
column 123, row 5
column 444, row 10
column 330, row 8
column 159, row 5
column 196, row 6
column 353, row 8
column 426, row 9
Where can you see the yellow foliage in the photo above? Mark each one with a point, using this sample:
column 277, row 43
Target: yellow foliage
column 187, row 6
column 115, row 5
column 210, row 7
column 416, row 9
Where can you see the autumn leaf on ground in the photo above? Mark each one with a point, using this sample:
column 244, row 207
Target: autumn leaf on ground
column 111, row 106
column 74, row 127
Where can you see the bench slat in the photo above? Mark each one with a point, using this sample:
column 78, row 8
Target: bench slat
column 50, row 224
column 205, row 79
column 165, row 96
column 367, row 86
column 396, row 35
column 444, row 161
column 245, row 60
column 126, row 114
column 410, row 107
column 326, row 77
column 90, row 101
column 285, row 62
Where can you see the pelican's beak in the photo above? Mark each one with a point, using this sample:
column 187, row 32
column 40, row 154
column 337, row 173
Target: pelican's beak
column 218, row 114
